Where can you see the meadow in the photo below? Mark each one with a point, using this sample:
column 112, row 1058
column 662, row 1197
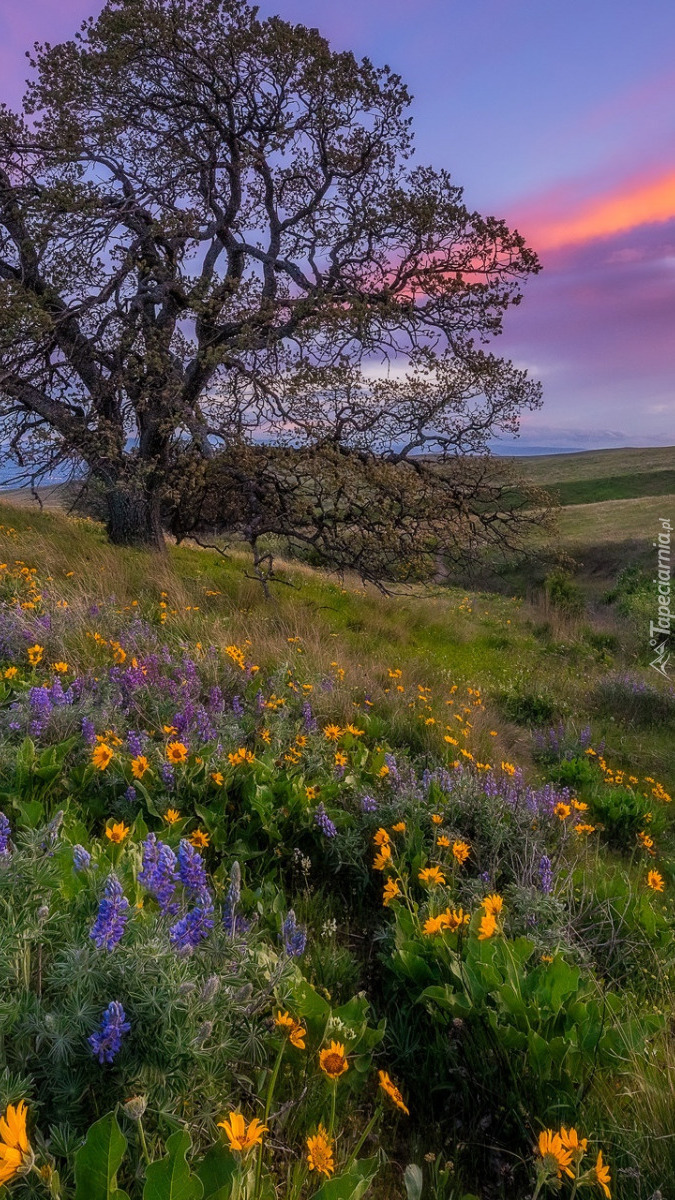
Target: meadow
column 336, row 895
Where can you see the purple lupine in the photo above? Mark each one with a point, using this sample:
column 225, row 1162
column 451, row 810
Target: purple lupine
column 216, row 702
column 88, row 731
column 113, row 914
column 57, row 694
column 158, row 874
column 259, row 701
column 310, row 722
column 191, row 869
column 41, row 709
column 130, row 794
column 368, row 804
column 135, row 743
column 194, row 927
column 232, row 898
column 545, row 875
column 106, row 1043
column 294, row 936
column 5, row 837
column 324, row 822
column 168, row 775
column 237, row 706
column 393, row 769
column 81, row 858
column 205, row 729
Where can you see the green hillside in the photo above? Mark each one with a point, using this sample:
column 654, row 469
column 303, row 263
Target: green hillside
column 416, row 865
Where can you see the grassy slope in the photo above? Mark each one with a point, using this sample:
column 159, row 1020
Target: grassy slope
column 494, row 642
column 548, row 469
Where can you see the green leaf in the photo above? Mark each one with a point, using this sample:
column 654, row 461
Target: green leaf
column 171, row 1177
column 352, row 1185
column 98, row 1160
column 412, row 1178
column 217, row 1171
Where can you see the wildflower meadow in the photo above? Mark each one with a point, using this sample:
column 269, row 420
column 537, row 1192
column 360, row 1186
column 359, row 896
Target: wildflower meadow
column 293, row 906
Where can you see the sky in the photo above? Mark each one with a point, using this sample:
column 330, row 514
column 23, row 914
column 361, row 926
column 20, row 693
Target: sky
column 558, row 115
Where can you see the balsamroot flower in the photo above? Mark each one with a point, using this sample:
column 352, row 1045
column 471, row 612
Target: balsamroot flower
column 487, row 927
column 390, row 1089
column 101, row 756
column 431, row 876
column 296, row 1031
column 113, row 914
column 391, row 891
column 602, row 1175
column 139, row 766
column 106, row 1043
column 242, row 1137
column 16, row 1155
column 176, row 752
column 655, row 881
column 333, row 1060
column 461, row 851
column 116, row 833
column 555, row 1157
column 493, row 904
column 320, row 1152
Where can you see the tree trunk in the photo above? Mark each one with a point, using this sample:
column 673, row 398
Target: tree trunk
column 134, row 517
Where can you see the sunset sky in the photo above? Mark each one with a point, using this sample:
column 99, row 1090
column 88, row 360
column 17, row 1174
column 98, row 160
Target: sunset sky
column 558, row 115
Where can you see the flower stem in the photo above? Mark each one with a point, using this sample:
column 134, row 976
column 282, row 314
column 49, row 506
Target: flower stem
column 268, row 1105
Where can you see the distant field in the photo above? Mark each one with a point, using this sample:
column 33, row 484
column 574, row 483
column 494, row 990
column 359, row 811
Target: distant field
column 616, row 520
column 548, row 469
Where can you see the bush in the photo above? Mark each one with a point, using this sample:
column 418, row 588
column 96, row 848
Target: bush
column 563, row 593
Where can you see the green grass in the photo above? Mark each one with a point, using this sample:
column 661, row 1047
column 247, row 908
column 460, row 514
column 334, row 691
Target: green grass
column 614, row 487
column 547, row 469
column 438, row 637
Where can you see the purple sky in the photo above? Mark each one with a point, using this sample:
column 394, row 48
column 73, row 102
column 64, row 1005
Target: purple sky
column 560, row 116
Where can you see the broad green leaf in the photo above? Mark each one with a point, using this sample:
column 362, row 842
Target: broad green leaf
column 171, row 1177
column 412, row 1178
column 217, row 1171
column 98, row 1161
column 352, row 1185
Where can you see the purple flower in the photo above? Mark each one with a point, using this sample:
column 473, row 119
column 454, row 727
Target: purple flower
column 311, row 724
column 294, row 936
column 5, row 836
column 168, row 775
column 112, row 916
column 237, row 706
column 135, row 743
column 81, row 858
column 216, row 700
column 88, row 731
column 196, row 925
column 158, row 873
column 368, row 804
column 191, row 869
column 106, row 1043
column 259, row 701
column 324, row 822
column 545, row 875
column 130, row 794
column 41, row 709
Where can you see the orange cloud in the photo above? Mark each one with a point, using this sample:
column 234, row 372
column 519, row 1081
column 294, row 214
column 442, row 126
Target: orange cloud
column 625, row 208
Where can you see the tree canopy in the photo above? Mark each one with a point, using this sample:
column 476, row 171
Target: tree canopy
column 214, row 238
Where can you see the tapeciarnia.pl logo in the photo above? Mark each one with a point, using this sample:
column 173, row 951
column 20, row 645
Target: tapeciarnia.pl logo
column 659, row 630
